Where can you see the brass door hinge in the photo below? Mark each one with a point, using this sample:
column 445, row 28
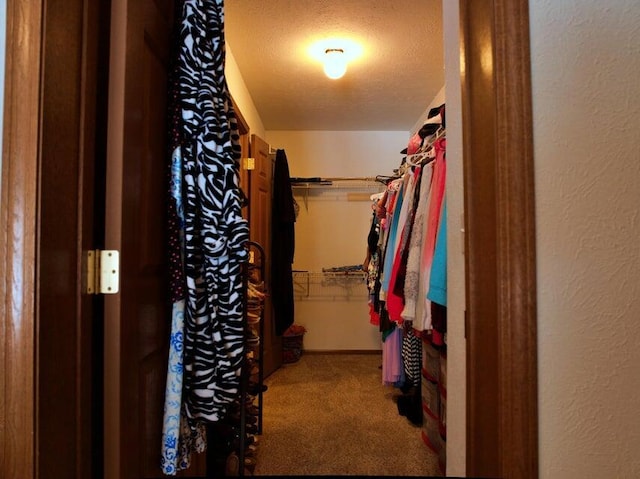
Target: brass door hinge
column 248, row 163
column 102, row 272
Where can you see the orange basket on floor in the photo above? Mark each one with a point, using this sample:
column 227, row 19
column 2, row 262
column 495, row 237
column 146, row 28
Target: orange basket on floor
column 292, row 348
column 292, row 343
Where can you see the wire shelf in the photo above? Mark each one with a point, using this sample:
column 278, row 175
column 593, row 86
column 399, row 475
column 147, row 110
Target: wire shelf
column 356, row 189
column 345, row 285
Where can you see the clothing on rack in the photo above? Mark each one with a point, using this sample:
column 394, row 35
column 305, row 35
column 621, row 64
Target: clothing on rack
column 179, row 439
column 208, row 236
column 215, row 231
column 412, row 357
column 412, row 276
column 409, row 218
column 395, row 295
column 423, row 310
column 393, row 209
column 282, row 244
column 438, row 279
column 437, row 292
column 392, row 367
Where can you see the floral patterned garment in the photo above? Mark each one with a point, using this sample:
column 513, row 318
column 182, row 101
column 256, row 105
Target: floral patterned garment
column 179, row 437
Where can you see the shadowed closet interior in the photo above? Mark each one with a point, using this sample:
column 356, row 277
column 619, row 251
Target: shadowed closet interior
column 344, row 183
column 323, row 236
column 84, row 170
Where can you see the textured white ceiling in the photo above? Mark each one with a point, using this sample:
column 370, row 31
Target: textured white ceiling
column 399, row 72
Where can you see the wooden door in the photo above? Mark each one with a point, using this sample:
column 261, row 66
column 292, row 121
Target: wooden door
column 261, row 180
column 138, row 318
column 69, row 346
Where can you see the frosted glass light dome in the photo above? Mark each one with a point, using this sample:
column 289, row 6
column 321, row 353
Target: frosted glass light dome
column 335, row 63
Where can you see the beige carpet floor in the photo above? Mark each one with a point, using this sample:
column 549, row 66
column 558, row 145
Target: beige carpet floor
column 330, row 414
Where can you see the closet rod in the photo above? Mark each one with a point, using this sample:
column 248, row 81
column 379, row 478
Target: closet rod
column 352, row 178
column 334, row 178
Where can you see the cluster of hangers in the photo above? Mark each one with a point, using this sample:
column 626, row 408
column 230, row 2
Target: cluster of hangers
column 385, row 179
column 425, row 154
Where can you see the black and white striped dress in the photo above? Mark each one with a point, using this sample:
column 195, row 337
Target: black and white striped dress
column 213, row 234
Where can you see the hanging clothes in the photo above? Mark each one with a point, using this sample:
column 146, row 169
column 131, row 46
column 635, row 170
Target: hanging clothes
column 437, row 293
column 415, row 247
column 372, row 268
column 423, row 320
column 412, row 357
column 392, row 367
column 411, row 341
column 394, row 206
column 395, row 294
column 208, row 237
column 438, row 278
column 282, row 244
column 215, row 231
column 404, row 306
column 176, row 445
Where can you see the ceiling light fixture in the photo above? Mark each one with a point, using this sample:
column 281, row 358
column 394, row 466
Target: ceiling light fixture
column 335, row 63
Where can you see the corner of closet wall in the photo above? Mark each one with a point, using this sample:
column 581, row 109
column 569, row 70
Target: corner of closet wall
column 241, row 95
column 438, row 100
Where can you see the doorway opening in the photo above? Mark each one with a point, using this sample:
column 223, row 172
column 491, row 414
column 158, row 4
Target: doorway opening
column 503, row 92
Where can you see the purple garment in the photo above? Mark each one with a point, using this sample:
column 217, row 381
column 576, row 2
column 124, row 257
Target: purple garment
column 392, row 366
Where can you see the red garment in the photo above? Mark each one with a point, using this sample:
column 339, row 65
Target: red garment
column 438, row 187
column 395, row 295
column 394, row 302
column 374, row 317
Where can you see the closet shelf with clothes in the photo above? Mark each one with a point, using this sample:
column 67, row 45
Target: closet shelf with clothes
column 349, row 188
column 337, row 284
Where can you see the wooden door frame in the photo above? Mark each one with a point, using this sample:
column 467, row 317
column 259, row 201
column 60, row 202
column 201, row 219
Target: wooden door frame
column 18, row 239
column 502, row 408
column 496, row 105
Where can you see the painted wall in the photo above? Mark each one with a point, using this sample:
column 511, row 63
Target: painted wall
column 241, row 95
column 332, row 229
column 586, row 106
column 456, row 344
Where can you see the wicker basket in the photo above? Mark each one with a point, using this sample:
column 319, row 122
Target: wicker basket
column 292, row 347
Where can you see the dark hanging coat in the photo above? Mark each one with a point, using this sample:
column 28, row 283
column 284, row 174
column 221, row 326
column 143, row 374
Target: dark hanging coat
column 282, row 244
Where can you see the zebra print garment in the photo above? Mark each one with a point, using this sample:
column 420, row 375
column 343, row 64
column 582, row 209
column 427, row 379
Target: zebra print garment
column 215, row 232
column 412, row 357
